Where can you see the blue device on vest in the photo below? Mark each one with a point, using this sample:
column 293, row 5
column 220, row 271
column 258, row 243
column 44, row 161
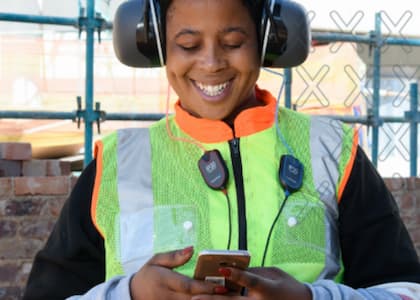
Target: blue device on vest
column 290, row 173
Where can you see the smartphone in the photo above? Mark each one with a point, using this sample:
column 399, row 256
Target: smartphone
column 209, row 262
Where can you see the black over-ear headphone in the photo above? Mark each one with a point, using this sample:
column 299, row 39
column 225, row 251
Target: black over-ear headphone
column 138, row 35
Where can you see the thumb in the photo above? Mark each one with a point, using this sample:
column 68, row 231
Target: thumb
column 172, row 259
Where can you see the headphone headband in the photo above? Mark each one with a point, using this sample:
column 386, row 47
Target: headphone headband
column 138, row 37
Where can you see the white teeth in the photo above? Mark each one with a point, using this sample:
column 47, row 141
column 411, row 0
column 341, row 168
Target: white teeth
column 212, row 90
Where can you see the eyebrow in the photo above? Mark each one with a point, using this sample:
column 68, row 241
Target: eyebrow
column 185, row 32
column 235, row 29
column 188, row 31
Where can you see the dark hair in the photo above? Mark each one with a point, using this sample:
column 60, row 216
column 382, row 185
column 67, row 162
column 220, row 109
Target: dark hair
column 255, row 9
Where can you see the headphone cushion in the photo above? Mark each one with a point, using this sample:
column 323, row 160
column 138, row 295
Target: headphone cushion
column 293, row 17
column 127, row 27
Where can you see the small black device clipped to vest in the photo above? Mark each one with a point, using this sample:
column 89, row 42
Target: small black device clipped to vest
column 213, row 169
column 290, row 173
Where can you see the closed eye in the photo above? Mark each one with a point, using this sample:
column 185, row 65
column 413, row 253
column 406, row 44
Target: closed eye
column 233, row 46
column 188, row 48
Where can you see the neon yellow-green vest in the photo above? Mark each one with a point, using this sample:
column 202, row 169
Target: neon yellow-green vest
column 149, row 196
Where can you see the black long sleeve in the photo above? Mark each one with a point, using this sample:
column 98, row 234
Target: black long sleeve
column 72, row 260
column 376, row 246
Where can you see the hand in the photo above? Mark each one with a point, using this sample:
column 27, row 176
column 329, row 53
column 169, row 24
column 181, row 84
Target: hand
column 156, row 280
column 262, row 284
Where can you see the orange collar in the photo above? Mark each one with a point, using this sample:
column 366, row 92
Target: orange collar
column 249, row 121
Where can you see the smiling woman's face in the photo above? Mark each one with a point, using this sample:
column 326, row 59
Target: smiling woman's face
column 212, row 59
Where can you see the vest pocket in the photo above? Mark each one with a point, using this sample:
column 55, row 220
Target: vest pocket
column 300, row 235
column 175, row 227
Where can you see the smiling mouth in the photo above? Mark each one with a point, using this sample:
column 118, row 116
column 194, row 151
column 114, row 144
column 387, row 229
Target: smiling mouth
column 212, row 90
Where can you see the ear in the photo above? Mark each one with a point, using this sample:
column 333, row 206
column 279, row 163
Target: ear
column 287, row 41
column 134, row 34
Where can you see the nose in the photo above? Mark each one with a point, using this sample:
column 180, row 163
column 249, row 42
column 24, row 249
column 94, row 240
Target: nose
column 213, row 59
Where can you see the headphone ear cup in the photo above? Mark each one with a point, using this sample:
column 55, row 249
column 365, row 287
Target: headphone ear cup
column 289, row 37
column 133, row 35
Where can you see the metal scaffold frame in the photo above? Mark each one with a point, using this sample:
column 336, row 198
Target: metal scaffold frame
column 93, row 22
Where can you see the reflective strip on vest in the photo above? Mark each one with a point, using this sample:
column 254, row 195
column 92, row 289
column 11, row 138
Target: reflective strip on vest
column 326, row 137
column 124, row 207
column 135, row 198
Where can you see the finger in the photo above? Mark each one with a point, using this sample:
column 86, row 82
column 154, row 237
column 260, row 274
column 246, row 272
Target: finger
column 268, row 272
column 187, row 285
column 218, row 297
column 172, row 259
column 175, row 296
column 244, row 278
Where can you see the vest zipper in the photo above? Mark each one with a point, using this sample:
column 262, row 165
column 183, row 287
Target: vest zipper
column 240, row 195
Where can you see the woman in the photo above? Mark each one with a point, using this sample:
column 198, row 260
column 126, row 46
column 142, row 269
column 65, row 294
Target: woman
column 331, row 221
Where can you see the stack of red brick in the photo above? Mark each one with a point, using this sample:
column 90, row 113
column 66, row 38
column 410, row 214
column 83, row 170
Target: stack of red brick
column 32, row 192
column 16, row 161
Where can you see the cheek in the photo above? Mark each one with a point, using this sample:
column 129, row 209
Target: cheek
column 177, row 66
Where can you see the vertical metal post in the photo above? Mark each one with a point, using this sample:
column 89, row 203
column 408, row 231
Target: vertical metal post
column 413, row 128
column 89, row 116
column 288, row 87
column 376, row 88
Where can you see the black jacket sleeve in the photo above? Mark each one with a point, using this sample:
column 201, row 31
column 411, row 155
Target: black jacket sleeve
column 73, row 259
column 376, row 247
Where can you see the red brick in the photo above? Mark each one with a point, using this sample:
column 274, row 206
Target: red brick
column 413, row 183
column 58, row 168
column 73, row 181
column 11, row 292
column 15, row 151
column 54, row 207
column 23, row 274
column 53, row 167
column 9, row 272
column 19, row 248
column 396, row 184
column 36, row 229
column 8, row 228
column 65, row 167
column 24, row 207
column 5, row 188
column 10, row 168
column 415, row 235
column 41, row 185
column 408, row 202
column 34, row 167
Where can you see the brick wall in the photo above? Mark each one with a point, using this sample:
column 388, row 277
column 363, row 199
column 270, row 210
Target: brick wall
column 32, row 192
column 29, row 206
column 406, row 192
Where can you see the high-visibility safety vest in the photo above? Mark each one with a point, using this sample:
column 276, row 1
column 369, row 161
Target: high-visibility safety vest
column 149, row 195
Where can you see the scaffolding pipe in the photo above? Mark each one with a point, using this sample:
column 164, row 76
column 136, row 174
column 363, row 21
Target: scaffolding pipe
column 45, row 115
column 362, row 39
column 288, row 87
column 133, row 117
column 413, row 128
column 89, row 113
column 53, row 20
column 42, row 115
column 376, row 88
